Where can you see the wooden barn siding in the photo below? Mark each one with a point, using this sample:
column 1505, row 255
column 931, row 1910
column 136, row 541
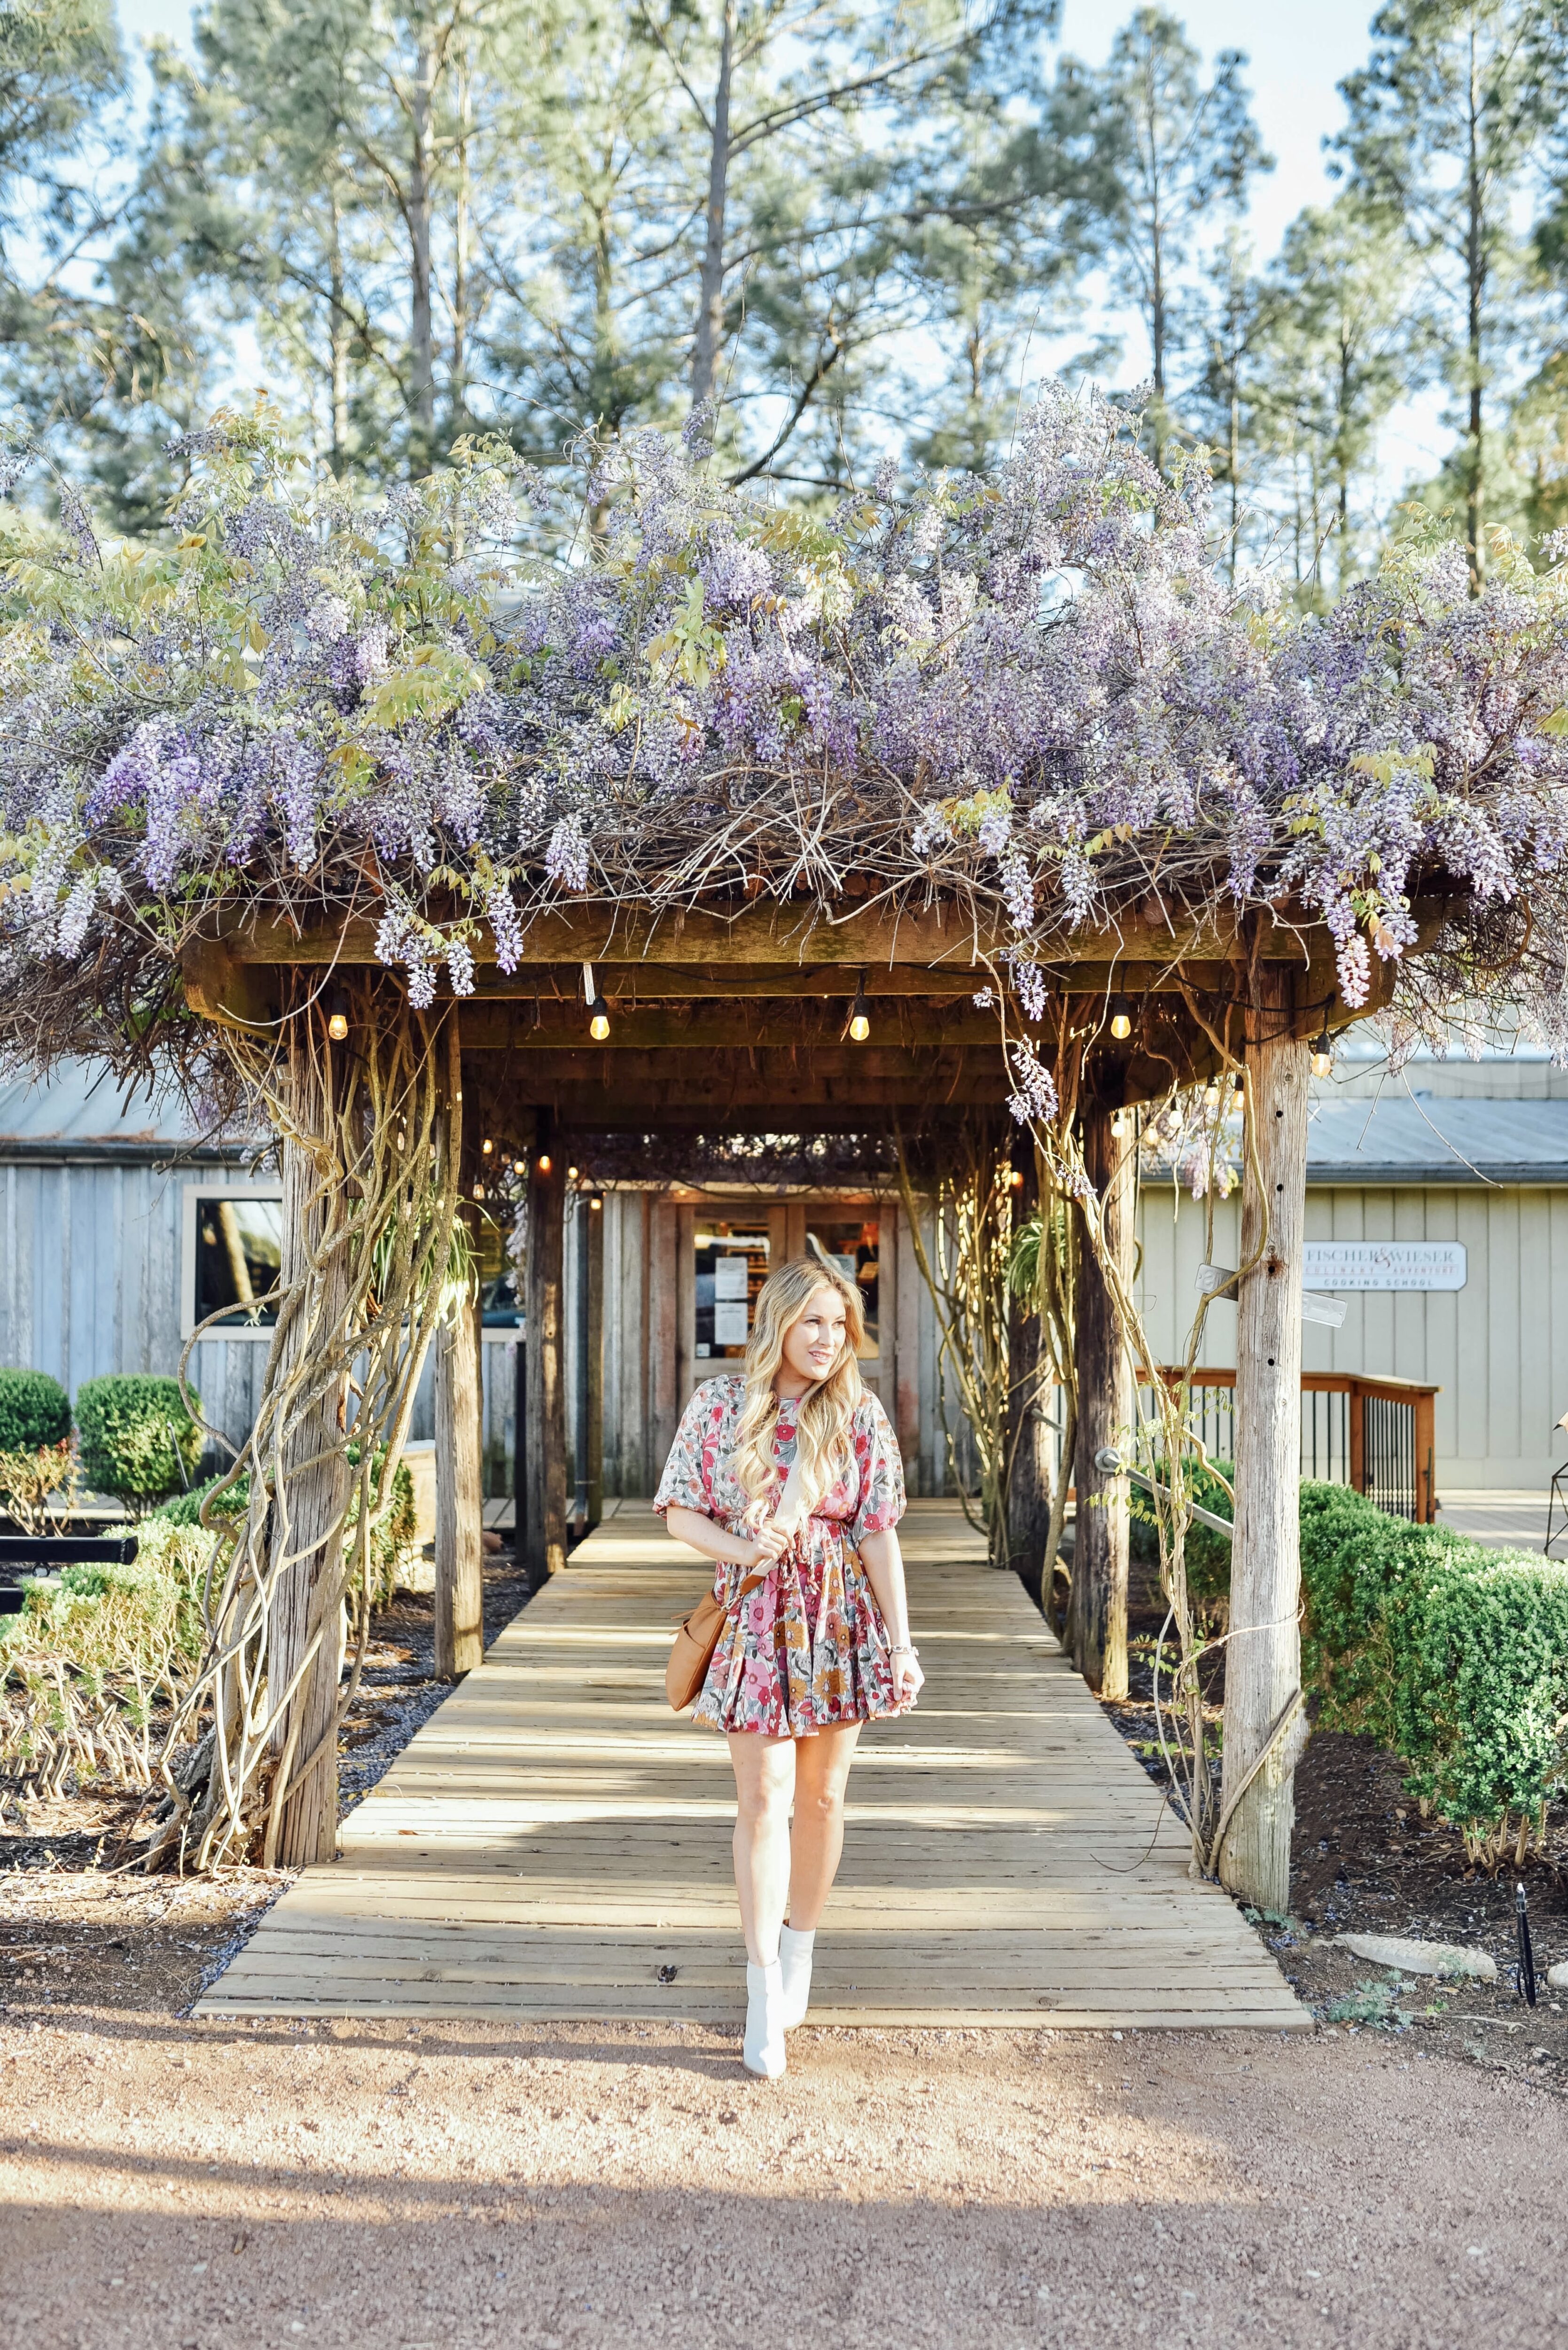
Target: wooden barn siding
column 90, row 1283
column 1498, row 1347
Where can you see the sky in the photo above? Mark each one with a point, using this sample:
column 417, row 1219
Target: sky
column 1298, row 51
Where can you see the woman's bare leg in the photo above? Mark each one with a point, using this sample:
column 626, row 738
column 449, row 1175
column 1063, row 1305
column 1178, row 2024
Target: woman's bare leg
column 816, row 1840
column 764, row 1782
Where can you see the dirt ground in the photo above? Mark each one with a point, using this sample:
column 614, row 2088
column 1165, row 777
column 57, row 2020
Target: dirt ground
column 167, row 2184
column 176, row 2186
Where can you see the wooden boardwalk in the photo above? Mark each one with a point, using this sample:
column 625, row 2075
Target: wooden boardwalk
column 554, row 1843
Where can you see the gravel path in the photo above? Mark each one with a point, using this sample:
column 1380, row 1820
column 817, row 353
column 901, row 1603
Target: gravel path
column 171, row 2186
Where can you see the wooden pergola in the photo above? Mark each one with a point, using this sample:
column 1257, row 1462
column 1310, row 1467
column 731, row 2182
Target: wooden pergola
column 737, row 1018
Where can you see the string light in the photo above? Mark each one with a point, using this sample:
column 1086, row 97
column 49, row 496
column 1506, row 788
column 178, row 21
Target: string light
column 1121, row 1018
column 487, row 1146
column 860, row 1016
column 571, row 1174
column 1015, row 1178
column 1119, row 1125
column 544, row 1162
column 1212, row 1094
column 519, row 1167
column 338, row 1017
column 479, row 1191
column 1323, row 1056
column 595, row 1202
column 598, row 1020
column 1238, row 1090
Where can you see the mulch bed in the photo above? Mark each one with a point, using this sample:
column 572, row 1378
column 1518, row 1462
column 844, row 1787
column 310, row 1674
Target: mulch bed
column 1365, row 1862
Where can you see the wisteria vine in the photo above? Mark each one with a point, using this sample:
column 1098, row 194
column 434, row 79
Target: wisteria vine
column 1035, row 692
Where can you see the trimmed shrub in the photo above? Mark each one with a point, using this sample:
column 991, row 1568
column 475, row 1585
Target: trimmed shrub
column 35, row 1411
column 136, row 1438
column 1452, row 1654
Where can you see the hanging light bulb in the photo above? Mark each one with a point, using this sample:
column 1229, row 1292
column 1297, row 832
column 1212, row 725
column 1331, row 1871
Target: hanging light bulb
column 571, row 1174
column 1323, row 1056
column 1238, row 1090
column 1121, row 1125
column 519, row 1167
column 595, row 1202
column 860, row 1016
column 479, row 1191
column 487, row 1146
column 338, row 1016
column 598, row 1020
column 544, row 1162
column 1212, row 1094
column 1015, row 1178
column 1121, row 1018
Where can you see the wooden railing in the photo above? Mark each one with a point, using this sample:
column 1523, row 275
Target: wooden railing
column 1376, row 1435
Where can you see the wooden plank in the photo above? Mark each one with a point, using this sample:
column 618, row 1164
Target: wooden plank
column 553, row 1836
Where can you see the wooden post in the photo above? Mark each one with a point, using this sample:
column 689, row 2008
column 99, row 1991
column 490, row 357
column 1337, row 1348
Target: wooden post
column 1098, row 1617
column 1425, row 1458
column 460, row 1507
column 315, row 1471
column 1262, row 1654
column 595, row 1241
column 547, row 1431
column 1029, row 1482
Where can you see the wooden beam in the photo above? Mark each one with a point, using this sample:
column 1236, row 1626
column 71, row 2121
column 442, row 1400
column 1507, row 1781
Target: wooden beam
column 659, row 982
column 459, row 1515
column 1262, row 1654
column 1098, row 1612
column 769, row 933
column 546, row 1430
column 305, row 1647
column 554, row 1027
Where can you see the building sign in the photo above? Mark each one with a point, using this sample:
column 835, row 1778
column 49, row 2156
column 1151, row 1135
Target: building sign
column 1384, row 1265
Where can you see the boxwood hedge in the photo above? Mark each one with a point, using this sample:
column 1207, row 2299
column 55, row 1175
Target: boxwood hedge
column 34, row 1410
column 1451, row 1653
column 136, row 1437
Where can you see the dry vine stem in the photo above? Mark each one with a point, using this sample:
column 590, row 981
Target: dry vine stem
column 1170, row 1446
column 371, row 1133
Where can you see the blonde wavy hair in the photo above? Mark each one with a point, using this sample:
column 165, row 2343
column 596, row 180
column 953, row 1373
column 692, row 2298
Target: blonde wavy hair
column 826, row 1410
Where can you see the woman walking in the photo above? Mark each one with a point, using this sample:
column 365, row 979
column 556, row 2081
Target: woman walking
column 788, row 1475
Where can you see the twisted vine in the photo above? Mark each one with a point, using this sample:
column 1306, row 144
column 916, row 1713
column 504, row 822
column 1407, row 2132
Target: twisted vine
column 372, row 1128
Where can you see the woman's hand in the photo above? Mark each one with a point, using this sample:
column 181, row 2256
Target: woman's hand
column 770, row 1543
column 908, row 1679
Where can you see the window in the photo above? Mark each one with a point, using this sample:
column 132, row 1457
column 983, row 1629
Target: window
column 850, row 1246
column 732, row 1266
column 233, row 1255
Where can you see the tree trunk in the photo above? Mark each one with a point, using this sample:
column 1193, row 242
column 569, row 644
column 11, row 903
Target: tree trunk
column 460, row 1515
column 339, row 345
column 1475, row 311
column 547, row 1431
column 1029, row 1437
column 421, row 329
column 1097, row 1623
column 457, row 387
column 308, row 1550
column 711, row 287
column 1263, row 1656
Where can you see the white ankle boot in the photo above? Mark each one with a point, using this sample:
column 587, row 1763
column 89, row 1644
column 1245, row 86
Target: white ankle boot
column 795, row 1965
column 763, row 2050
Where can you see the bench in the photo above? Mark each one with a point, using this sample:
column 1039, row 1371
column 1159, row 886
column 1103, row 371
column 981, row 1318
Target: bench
column 22, row 1554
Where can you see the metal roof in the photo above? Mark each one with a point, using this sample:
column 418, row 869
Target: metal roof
column 81, row 1113
column 1434, row 1139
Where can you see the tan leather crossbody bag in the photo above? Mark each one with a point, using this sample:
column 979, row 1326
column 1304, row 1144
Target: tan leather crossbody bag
column 698, row 1635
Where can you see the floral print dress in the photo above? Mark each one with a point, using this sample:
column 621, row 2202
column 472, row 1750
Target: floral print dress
column 808, row 1647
